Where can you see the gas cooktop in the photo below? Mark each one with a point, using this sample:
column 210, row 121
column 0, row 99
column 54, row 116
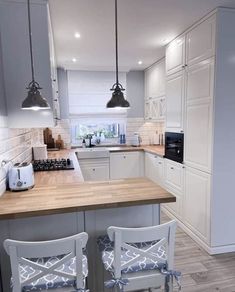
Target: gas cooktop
column 53, row 164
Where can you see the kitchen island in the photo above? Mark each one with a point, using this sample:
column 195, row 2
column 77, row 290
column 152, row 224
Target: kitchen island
column 62, row 204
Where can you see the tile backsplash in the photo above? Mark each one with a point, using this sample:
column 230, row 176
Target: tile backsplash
column 145, row 129
column 16, row 146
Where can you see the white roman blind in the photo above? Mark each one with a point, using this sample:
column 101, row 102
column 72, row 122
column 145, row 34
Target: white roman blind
column 89, row 91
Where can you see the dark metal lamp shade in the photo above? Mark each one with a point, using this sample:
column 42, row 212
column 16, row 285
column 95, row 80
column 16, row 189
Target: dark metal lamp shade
column 34, row 100
column 118, row 99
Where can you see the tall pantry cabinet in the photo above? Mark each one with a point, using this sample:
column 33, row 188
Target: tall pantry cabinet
column 200, row 67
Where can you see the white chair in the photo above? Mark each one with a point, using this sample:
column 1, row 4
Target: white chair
column 43, row 265
column 139, row 258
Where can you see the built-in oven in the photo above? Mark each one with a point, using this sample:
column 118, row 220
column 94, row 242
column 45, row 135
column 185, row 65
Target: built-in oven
column 174, row 146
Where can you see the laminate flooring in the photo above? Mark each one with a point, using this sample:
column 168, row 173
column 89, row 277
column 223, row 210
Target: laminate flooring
column 201, row 271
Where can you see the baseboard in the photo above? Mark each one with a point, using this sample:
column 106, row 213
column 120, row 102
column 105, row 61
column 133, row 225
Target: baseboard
column 206, row 247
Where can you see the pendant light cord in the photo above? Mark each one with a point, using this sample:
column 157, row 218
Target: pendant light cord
column 30, row 42
column 116, row 35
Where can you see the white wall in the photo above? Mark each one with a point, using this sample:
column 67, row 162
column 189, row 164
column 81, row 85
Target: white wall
column 135, row 93
column 63, row 93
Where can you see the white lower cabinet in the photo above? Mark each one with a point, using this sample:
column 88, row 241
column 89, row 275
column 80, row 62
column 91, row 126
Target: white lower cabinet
column 174, row 183
column 154, row 168
column 95, row 169
column 126, row 165
column 196, row 207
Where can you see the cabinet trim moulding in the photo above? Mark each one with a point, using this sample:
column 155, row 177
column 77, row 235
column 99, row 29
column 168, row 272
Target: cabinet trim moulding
column 162, row 59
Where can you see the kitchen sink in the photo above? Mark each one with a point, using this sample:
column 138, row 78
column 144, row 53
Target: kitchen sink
column 96, row 152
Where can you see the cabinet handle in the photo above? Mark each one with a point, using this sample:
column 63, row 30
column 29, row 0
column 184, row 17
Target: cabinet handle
column 159, row 163
column 124, row 157
column 183, row 167
column 183, row 66
column 172, row 167
column 181, row 131
column 54, row 80
column 93, row 169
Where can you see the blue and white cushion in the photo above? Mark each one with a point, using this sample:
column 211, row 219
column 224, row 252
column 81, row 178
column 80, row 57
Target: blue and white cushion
column 142, row 263
column 51, row 281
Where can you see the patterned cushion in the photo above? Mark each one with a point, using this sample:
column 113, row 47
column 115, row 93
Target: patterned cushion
column 51, row 281
column 106, row 247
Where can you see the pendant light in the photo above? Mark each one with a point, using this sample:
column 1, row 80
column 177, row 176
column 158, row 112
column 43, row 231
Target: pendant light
column 34, row 100
column 117, row 99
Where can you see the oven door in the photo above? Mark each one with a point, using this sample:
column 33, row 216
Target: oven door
column 174, row 146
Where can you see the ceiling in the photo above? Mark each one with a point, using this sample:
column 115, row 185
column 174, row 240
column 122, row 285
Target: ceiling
column 145, row 27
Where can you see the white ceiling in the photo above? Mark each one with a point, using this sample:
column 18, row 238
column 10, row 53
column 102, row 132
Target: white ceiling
column 145, row 26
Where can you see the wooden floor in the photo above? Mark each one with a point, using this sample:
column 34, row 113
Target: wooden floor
column 200, row 271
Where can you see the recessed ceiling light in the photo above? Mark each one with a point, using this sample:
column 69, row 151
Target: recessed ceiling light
column 77, row 35
column 74, row 60
column 140, row 62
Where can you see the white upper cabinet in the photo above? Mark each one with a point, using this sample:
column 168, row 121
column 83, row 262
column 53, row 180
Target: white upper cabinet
column 155, row 80
column 175, row 55
column 196, row 45
column 155, row 87
column 199, row 111
column 175, row 102
column 200, row 42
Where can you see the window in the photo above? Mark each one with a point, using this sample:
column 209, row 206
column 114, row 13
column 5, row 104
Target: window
column 103, row 132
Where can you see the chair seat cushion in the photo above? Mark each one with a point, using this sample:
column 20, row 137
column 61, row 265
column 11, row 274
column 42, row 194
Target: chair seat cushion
column 51, row 281
column 141, row 263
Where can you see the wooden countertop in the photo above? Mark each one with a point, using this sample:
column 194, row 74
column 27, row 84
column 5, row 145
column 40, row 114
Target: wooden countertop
column 158, row 150
column 65, row 191
column 65, row 198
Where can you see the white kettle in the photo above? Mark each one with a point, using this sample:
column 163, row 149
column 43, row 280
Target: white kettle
column 135, row 141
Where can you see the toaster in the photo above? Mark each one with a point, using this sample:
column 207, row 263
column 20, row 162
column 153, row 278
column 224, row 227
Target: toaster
column 21, row 177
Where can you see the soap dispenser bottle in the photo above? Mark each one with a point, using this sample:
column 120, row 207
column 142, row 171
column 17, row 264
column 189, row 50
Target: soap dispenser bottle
column 83, row 143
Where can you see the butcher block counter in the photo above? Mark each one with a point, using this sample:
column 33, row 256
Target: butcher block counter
column 62, row 204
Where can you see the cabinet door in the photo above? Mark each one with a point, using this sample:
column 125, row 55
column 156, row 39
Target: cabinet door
column 174, row 183
column 152, row 81
column 154, row 109
column 155, row 81
column 147, row 110
column 199, row 110
column 125, row 165
column 157, row 109
column 154, row 168
column 95, row 173
column 174, row 175
column 175, row 102
column 162, row 78
column 175, row 55
column 196, row 206
column 200, row 42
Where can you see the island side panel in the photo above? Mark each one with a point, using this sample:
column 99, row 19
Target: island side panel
column 36, row 229
column 96, row 223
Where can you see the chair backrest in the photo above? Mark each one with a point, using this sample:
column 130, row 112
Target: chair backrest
column 23, row 253
column 126, row 238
